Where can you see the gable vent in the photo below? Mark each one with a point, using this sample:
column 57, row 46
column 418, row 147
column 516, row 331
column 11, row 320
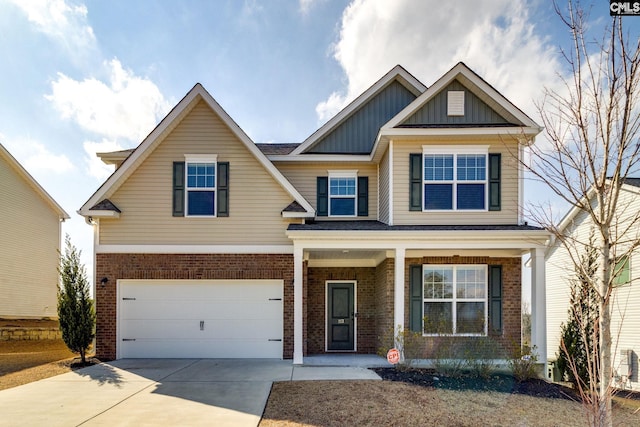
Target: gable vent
column 455, row 103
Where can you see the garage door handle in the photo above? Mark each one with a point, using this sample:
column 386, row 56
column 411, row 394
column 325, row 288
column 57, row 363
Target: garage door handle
column 128, row 299
column 275, row 339
column 275, row 299
column 128, row 339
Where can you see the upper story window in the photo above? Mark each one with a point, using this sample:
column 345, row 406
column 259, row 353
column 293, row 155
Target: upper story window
column 342, row 193
column 201, row 185
column 455, row 179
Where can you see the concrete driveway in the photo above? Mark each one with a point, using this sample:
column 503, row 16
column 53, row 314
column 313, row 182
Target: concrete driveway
column 159, row 392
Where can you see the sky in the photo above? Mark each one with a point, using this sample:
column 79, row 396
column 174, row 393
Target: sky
column 80, row 77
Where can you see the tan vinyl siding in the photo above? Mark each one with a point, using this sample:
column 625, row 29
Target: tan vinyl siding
column 256, row 199
column 384, row 188
column 625, row 321
column 30, row 236
column 303, row 177
column 509, row 187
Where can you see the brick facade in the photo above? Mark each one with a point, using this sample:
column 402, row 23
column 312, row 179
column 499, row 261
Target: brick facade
column 185, row 267
column 375, row 296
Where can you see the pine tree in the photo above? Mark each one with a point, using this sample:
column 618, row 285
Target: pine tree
column 75, row 307
column 579, row 337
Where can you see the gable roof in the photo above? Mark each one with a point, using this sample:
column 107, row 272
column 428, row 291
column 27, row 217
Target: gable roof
column 396, row 74
column 481, row 89
column 166, row 125
column 22, row 172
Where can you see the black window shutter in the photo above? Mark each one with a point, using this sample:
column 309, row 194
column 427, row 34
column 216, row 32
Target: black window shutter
column 363, row 196
column 415, row 298
column 178, row 188
column 322, row 198
column 222, row 198
column 494, row 182
column 495, row 299
column 415, row 182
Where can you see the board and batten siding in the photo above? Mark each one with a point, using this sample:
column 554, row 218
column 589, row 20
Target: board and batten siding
column 383, row 186
column 509, row 187
column 256, row 199
column 29, row 253
column 625, row 318
column 303, row 177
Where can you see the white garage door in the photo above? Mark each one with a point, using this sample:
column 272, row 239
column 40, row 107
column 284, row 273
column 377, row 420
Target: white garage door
column 200, row 319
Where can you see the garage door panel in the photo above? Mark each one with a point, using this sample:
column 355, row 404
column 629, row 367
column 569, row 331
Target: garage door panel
column 162, row 319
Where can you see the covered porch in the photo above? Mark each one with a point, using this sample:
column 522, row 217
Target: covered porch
column 371, row 262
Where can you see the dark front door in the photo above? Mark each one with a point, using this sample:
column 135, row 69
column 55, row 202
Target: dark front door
column 340, row 316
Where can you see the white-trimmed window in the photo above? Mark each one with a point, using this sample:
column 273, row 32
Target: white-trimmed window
column 454, row 179
column 342, row 193
column 200, row 179
column 455, row 299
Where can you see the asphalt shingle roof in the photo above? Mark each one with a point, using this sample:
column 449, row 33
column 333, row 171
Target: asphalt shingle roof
column 379, row 226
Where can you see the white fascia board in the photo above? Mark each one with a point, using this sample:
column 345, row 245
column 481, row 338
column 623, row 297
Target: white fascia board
column 298, row 215
column 198, row 92
column 420, row 239
column 101, row 214
column 523, row 134
column 322, row 158
column 194, row 249
column 406, row 79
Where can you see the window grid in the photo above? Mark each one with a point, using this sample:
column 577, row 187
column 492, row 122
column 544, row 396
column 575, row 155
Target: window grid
column 201, row 189
column 456, row 286
column 444, row 183
column 342, row 196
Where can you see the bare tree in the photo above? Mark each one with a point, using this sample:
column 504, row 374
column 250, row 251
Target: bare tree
column 592, row 124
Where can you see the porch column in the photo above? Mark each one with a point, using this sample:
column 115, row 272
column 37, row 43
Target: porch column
column 398, row 290
column 538, row 305
column 297, row 305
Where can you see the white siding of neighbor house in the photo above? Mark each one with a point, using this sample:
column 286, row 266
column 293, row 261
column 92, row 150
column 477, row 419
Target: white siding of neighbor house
column 256, row 199
column 303, row 177
column 509, row 186
column 29, row 249
column 626, row 299
column 384, row 188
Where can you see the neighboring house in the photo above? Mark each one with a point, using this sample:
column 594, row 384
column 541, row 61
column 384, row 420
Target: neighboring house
column 405, row 205
column 30, row 228
column 625, row 317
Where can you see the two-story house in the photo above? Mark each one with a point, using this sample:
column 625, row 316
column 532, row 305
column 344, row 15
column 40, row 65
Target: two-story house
column 403, row 209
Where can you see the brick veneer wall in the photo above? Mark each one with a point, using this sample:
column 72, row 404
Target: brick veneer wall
column 316, row 306
column 511, row 301
column 190, row 267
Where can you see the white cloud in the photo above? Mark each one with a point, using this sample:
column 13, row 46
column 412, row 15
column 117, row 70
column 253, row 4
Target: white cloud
column 305, row 6
column 62, row 21
column 494, row 38
column 95, row 166
column 36, row 158
column 127, row 107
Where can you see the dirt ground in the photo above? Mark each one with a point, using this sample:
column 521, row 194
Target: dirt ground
column 22, row 362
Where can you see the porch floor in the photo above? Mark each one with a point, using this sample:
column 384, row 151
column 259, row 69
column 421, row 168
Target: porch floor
column 342, row 359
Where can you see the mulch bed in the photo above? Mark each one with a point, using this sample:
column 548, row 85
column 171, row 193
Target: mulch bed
column 502, row 383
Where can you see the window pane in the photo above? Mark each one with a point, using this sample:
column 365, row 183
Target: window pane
column 200, row 203
column 471, row 167
column 470, row 317
column 201, row 175
column 438, row 283
column 438, row 196
column 470, row 196
column 438, row 318
column 345, row 206
column 438, row 167
column 342, row 186
column 470, row 282
column 621, row 272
